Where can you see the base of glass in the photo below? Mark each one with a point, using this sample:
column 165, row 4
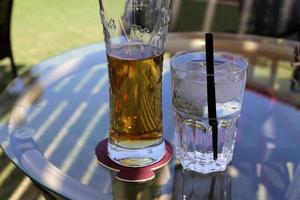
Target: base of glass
column 136, row 157
column 205, row 164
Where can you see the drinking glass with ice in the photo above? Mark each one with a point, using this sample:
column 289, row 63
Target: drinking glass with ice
column 193, row 134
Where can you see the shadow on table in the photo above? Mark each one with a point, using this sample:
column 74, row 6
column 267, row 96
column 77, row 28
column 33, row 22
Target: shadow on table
column 31, row 87
column 267, row 146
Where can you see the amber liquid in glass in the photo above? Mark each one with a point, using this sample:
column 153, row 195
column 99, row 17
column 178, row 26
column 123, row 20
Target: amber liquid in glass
column 135, row 75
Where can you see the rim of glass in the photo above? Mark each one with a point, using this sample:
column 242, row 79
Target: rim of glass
column 175, row 67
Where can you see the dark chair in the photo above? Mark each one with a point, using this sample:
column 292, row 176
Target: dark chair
column 275, row 18
column 204, row 15
column 5, row 41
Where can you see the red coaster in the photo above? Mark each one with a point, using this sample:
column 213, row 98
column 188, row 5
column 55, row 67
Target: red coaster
column 131, row 174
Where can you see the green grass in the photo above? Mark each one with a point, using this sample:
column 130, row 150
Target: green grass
column 42, row 29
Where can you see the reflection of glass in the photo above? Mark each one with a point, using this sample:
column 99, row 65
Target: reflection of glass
column 135, row 60
column 190, row 185
column 193, row 134
column 157, row 188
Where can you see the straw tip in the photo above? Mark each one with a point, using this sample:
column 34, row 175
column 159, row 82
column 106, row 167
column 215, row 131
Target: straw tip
column 215, row 156
column 208, row 35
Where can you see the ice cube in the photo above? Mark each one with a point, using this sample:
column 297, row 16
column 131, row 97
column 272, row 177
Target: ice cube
column 227, row 90
column 193, row 92
column 225, row 109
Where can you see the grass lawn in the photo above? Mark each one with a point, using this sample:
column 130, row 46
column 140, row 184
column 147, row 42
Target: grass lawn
column 41, row 29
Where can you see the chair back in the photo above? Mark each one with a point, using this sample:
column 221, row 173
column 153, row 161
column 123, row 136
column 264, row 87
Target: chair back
column 5, row 18
column 277, row 18
column 204, row 15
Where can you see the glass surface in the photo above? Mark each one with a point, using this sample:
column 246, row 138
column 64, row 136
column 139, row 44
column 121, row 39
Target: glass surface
column 63, row 105
column 193, row 130
column 135, row 59
column 192, row 185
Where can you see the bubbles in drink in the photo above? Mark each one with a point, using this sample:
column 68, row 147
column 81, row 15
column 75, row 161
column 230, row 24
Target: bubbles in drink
column 135, row 75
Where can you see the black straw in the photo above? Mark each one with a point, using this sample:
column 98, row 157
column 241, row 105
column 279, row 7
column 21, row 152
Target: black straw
column 211, row 93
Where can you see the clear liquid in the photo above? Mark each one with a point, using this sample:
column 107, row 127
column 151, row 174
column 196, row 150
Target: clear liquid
column 193, row 141
column 194, row 146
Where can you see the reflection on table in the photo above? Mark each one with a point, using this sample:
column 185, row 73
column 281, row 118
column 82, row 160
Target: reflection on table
column 193, row 186
column 64, row 101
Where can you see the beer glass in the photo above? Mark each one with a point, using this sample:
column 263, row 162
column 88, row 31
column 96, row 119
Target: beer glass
column 135, row 35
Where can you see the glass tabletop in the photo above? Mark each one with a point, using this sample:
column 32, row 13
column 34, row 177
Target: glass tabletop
column 53, row 117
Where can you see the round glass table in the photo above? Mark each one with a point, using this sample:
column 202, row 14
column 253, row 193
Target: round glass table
column 53, row 116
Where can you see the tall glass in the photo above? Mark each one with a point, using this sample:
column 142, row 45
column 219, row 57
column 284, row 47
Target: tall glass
column 135, row 34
